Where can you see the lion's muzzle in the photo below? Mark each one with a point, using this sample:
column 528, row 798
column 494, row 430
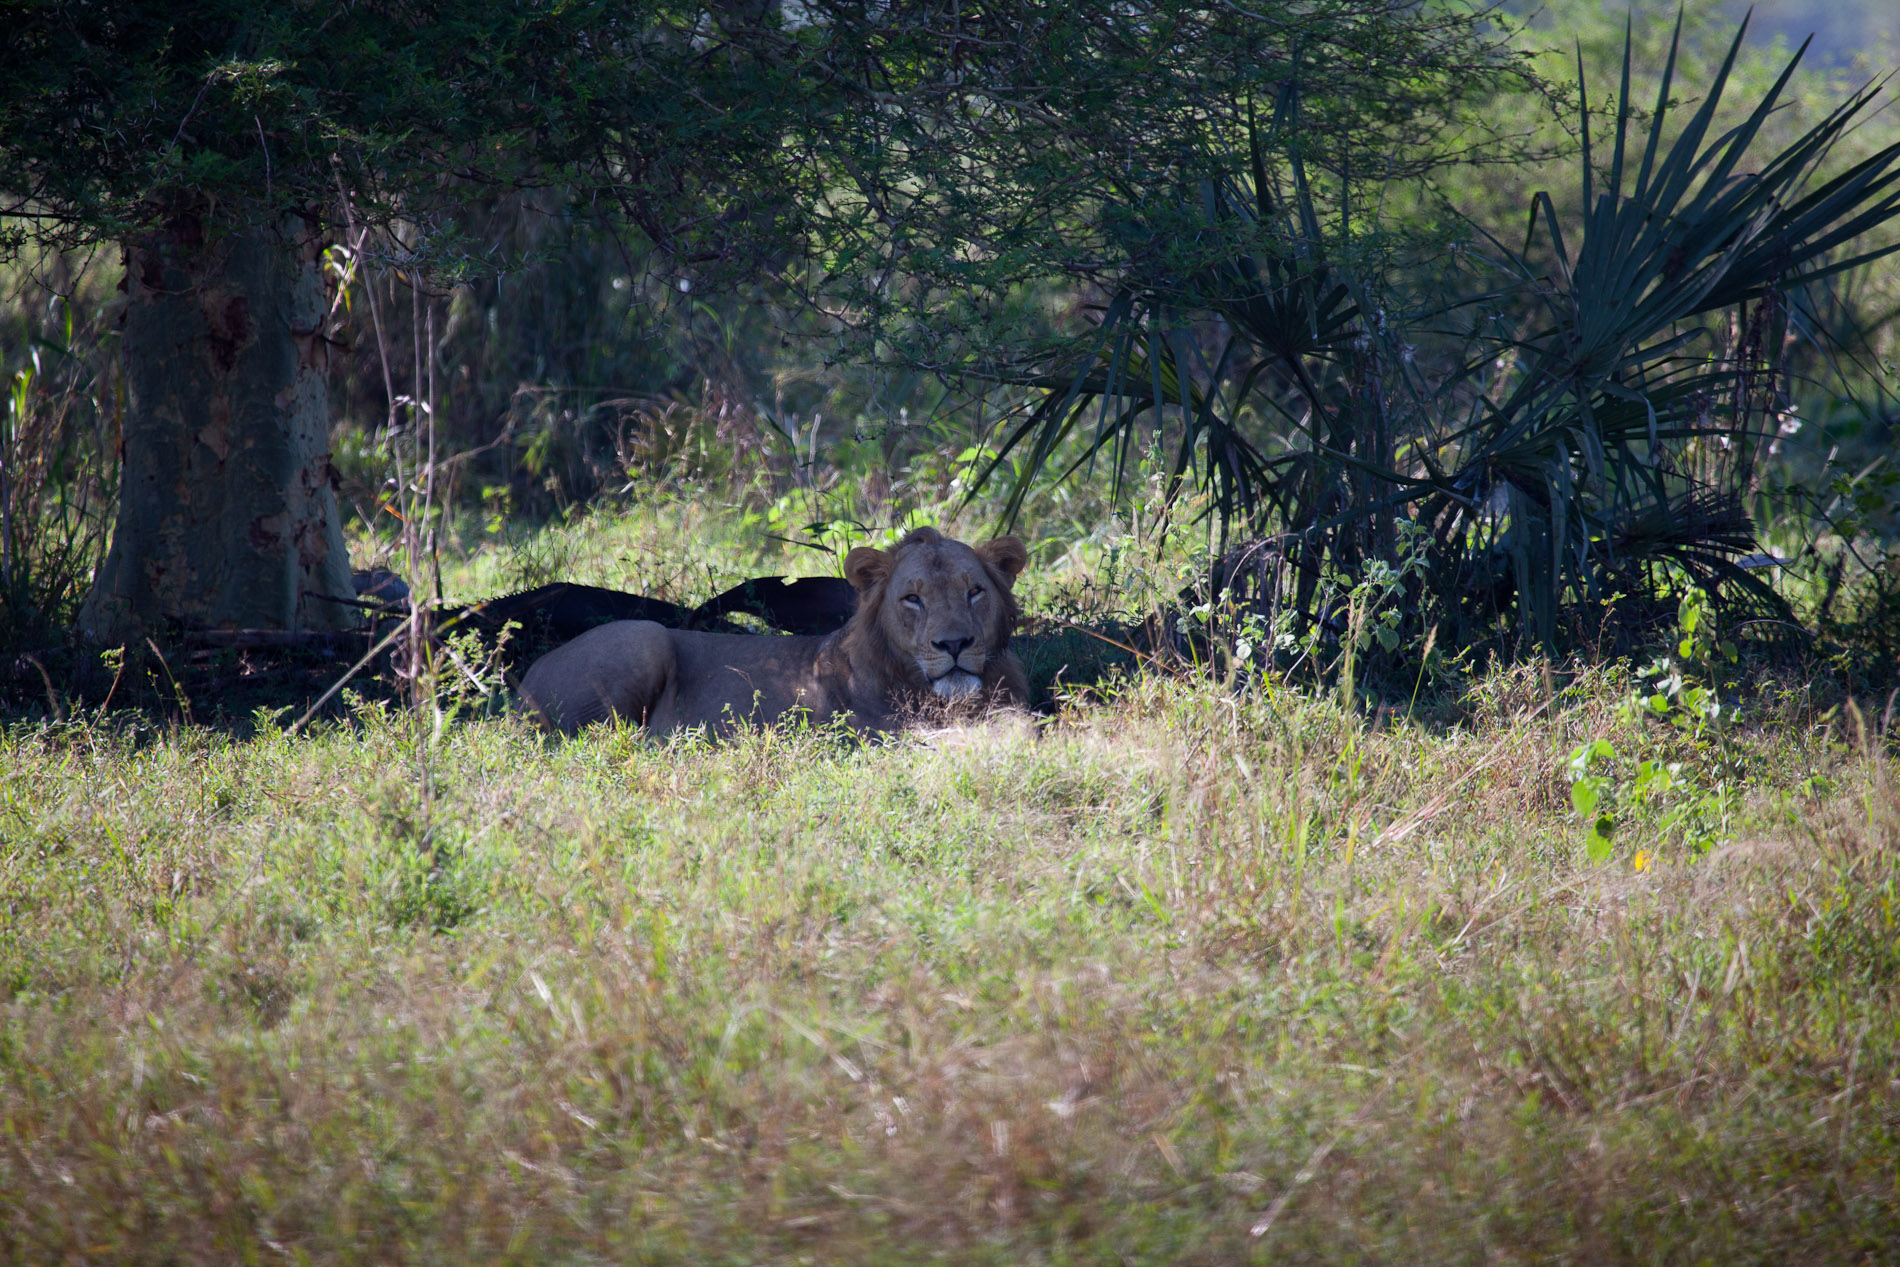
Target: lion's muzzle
column 953, row 666
column 956, row 684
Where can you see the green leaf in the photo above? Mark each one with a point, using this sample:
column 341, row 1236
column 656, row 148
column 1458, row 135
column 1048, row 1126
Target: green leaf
column 1585, row 754
column 1597, row 844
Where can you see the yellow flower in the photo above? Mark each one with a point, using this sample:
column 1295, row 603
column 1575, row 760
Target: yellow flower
column 1642, row 859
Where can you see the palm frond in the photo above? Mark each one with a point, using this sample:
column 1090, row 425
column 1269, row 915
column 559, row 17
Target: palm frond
column 1619, row 448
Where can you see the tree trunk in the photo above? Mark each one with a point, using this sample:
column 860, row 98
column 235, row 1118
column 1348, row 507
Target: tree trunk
column 227, row 516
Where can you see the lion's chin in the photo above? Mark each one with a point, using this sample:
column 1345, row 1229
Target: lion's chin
column 957, row 684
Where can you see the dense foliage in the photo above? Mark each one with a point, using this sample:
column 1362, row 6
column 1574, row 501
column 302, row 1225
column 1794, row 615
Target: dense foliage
column 1578, row 425
column 684, row 232
column 116, row 115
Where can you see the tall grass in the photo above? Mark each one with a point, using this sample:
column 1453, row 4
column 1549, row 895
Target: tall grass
column 1195, row 977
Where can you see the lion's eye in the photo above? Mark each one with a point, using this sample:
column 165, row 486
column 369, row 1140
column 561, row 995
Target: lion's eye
column 914, row 601
column 976, row 592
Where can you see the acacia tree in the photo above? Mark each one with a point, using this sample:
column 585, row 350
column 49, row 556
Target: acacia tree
column 223, row 146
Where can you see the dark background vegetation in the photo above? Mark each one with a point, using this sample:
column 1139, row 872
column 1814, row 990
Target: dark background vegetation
column 592, row 368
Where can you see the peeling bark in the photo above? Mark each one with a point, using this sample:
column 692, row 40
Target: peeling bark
column 227, row 511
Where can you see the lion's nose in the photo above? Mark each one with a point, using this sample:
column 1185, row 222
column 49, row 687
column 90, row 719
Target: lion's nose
column 952, row 647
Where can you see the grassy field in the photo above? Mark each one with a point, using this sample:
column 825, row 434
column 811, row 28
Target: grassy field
column 1191, row 975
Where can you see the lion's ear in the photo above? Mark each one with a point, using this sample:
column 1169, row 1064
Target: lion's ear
column 1006, row 555
column 865, row 567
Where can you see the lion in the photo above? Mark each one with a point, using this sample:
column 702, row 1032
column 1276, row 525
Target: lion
column 930, row 634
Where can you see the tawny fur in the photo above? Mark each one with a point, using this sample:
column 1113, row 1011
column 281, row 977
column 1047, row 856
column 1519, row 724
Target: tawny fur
column 931, row 633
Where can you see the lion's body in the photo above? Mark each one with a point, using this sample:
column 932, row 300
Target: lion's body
column 673, row 679
column 932, row 627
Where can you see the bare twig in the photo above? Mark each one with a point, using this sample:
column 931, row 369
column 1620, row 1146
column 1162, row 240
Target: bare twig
column 52, row 697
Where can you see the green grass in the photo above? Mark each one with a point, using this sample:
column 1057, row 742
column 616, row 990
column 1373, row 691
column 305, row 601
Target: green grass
column 1193, row 977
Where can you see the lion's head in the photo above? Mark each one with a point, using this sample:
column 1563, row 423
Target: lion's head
column 935, row 613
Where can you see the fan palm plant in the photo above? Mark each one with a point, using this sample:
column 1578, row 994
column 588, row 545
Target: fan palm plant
column 1594, row 432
